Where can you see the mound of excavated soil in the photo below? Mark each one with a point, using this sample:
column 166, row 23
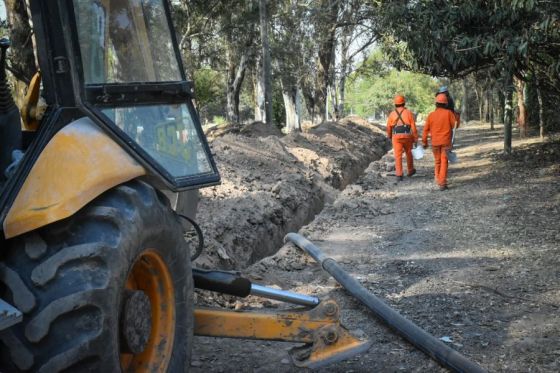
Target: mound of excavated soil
column 254, row 129
column 273, row 185
column 260, row 129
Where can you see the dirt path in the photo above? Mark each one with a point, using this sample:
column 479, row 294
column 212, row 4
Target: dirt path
column 478, row 263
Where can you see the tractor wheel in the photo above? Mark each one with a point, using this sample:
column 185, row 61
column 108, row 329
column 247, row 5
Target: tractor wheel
column 109, row 289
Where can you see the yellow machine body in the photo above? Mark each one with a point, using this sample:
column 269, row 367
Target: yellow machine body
column 78, row 164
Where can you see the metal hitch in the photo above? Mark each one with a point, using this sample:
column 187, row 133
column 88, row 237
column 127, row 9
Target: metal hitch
column 326, row 340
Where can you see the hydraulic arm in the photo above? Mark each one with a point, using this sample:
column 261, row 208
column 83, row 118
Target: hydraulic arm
column 326, row 340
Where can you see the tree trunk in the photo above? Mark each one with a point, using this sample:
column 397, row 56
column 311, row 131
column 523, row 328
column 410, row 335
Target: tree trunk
column 326, row 54
column 485, row 113
column 342, row 95
column 465, row 104
column 309, row 98
column 335, row 114
column 258, row 91
column 345, row 66
column 299, row 106
column 236, row 74
column 326, row 118
column 266, row 65
column 480, row 100
column 501, row 107
column 522, row 109
column 290, row 96
column 321, row 92
column 508, row 116
column 541, row 108
column 491, row 107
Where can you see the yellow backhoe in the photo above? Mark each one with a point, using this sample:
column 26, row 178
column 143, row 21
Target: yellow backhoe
column 95, row 273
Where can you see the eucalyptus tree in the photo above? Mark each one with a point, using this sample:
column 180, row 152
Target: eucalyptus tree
column 222, row 35
column 356, row 33
column 293, row 50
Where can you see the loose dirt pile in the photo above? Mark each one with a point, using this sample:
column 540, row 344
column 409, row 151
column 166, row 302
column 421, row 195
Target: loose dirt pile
column 273, row 184
column 476, row 266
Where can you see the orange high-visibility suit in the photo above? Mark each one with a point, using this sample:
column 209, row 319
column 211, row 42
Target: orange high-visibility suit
column 403, row 134
column 439, row 125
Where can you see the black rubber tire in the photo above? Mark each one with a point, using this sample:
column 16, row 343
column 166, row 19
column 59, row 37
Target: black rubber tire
column 69, row 279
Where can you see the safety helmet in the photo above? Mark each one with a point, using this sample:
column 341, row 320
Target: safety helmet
column 443, row 89
column 399, row 100
column 441, row 98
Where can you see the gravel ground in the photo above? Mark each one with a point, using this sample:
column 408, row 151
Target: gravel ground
column 476, row 265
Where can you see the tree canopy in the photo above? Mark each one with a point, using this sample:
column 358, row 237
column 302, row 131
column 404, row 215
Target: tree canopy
column 454, row 38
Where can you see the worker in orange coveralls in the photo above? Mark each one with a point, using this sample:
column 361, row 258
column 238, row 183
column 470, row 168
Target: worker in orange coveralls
column 401, row 129
column 450, row 104
column 439, row 125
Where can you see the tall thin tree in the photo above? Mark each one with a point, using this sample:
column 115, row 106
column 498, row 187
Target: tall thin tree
column 266, row 65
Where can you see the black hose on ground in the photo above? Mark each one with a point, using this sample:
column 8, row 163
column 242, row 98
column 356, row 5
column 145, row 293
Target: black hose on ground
column 424, row 341
column 198, row 231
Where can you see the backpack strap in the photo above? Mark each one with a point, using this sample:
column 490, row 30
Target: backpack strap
column 400, row 117
column 403, row 128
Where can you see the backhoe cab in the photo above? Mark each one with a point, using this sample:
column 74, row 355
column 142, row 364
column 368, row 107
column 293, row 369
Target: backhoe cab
column 95, row 274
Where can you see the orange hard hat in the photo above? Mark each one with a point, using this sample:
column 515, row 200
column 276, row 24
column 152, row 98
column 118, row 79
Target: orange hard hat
column 441, row 99
column 399, row 100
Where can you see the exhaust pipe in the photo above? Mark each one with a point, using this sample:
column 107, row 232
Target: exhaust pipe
column 424, row 341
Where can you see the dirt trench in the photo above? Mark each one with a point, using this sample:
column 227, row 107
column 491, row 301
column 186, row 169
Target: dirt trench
column 274, row 184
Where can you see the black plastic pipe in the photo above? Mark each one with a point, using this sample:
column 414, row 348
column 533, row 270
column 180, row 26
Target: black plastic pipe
column 424, row 341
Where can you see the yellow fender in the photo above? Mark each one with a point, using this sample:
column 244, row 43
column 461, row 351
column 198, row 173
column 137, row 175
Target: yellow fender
column 78, row 164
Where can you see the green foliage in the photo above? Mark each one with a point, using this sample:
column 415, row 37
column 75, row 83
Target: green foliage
column 209, row 87
column 454, row 38
column 377, row 64
column 219, row 121
column 371, row 93
column 209, row 84
column 495, row 38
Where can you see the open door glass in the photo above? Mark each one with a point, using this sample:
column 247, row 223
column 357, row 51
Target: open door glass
column 133, row 82
column 124, row 41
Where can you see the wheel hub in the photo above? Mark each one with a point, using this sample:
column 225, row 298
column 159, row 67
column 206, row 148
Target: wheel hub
column 136, row 321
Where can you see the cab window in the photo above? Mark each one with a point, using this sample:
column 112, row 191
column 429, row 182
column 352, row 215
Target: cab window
column 167, row 133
